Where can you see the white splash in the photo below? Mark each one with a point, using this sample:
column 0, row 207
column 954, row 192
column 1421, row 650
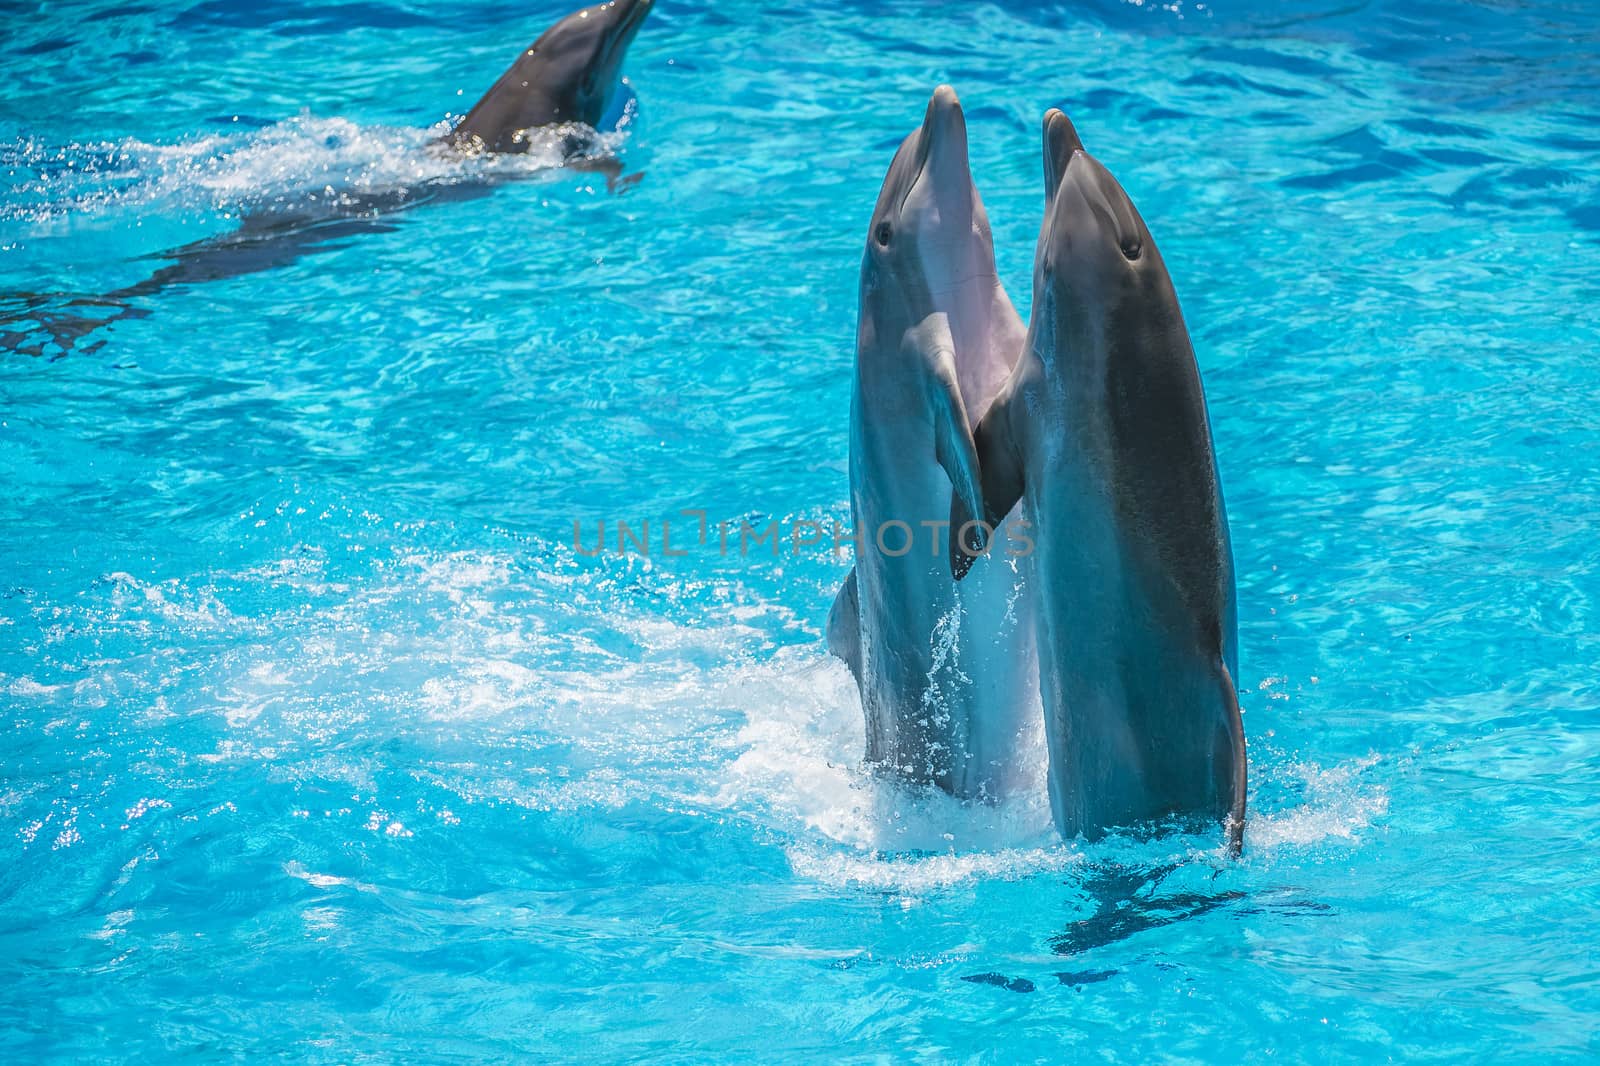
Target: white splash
column 301, row 163
column 598, row 702
column 1337, row 805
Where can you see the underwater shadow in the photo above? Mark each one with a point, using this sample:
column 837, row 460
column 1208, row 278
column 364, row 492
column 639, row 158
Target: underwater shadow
column 1128, row 900
column 54, row 324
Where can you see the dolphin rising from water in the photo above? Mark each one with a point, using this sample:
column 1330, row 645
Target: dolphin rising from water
column 1103, row 436
column 945, row 672
column 569, row 75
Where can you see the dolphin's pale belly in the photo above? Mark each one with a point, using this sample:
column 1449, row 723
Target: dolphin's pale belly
column 948, row 680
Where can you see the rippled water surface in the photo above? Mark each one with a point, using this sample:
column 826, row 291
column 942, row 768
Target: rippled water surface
column 320, row 740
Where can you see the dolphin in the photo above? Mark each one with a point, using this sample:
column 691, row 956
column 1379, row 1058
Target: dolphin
column 946, row 674
column 566, row 80
column 569, row 75
column 1103, row 436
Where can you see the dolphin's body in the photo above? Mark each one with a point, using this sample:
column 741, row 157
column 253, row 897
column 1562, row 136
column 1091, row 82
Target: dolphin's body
column 567, row 79
column 946, row 675
column 1102, row 433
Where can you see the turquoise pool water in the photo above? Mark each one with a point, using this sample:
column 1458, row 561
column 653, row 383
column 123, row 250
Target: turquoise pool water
column 322, row 741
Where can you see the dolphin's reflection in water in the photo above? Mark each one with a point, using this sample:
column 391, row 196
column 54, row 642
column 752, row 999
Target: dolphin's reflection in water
column 1124, row 900
column 1128, row 901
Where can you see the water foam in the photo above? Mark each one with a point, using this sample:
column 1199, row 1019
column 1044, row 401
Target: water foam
column 676, row 714
column 301, row 163
column 796, row 765
column 1337, row 804
column 785, row 733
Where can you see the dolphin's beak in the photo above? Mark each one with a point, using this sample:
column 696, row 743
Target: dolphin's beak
column 944, row 141
column 635, row 11
column 1061, row 145
column 626, row 16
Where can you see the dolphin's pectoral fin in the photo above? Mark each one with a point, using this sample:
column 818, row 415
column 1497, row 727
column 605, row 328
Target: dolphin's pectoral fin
column 844, row 625
column 1001, row 486
column 931, row 342
column 1234, row 721
column 959, row 458
column 607, row 165
column 966, row 542
column 617, row 182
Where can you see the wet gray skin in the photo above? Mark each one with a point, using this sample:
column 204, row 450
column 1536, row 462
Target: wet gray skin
column 946, row 676
column 569, row 75
column 1103, row 435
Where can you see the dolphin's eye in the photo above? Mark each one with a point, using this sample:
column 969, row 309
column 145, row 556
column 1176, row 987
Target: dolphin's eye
column 1131, row 247
column 882, row 232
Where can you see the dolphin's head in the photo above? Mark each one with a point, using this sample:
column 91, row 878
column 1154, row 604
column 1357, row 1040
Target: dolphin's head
column 570, row 74
column 929, row 235
column 580, row 57
column 1096, row 271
